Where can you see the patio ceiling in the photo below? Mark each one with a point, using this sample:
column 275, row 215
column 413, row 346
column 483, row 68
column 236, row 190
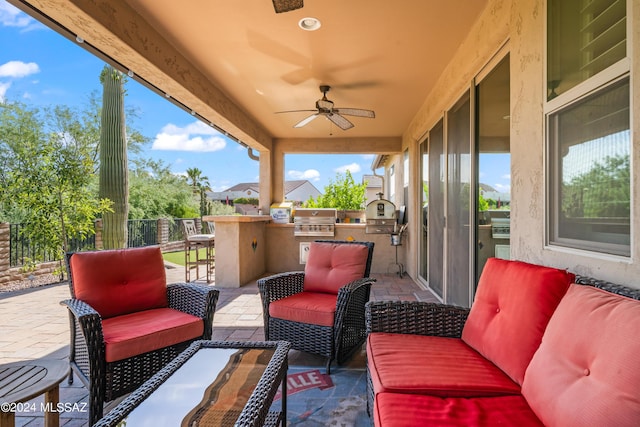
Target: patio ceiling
column 237, row 62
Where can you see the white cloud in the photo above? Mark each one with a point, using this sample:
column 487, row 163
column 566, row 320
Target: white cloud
column 507, row 176
column 13, row 17
column 368, row 156
column 4, row 87
column 17, row 69
column 502, row 188
column 10, row 16
column 196, row 136
column 309, row 174
column 353, row 168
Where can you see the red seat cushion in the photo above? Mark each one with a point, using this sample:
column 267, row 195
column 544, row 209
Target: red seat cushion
column 315, row 308
column 410, row 410
column 137, row 333
column 511, row 310
column 117, row 282
column 587, row 369
column 330, row 266
column 432, row 365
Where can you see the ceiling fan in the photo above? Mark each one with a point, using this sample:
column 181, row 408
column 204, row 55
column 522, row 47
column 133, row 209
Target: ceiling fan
column 324, row 107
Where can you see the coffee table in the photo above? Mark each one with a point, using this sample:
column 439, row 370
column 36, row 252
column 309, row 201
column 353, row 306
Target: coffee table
column 211, row 383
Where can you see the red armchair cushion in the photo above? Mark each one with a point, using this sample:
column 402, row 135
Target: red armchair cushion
column 511, row 310
column 587, row 372
column 137, row 333
column 117, row 282
column 315, row 308
column 330, row 266
column 408, row 410
column 432, row 365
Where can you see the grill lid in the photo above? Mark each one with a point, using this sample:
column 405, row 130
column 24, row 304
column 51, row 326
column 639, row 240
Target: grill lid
column 315, row 216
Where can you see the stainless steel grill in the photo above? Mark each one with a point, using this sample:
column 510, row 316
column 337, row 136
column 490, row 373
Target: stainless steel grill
column 314, row 222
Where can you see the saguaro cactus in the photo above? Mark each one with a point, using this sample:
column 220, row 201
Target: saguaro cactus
column 114, row 171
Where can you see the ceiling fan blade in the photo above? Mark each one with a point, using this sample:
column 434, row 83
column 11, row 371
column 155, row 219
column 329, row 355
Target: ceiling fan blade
column 305, row 121
column 340, row 121
column 296, row 111
column 357, row 112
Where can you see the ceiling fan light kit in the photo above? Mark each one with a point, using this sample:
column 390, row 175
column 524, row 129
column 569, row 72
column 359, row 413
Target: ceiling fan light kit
column 324, row 107
column 287, row 5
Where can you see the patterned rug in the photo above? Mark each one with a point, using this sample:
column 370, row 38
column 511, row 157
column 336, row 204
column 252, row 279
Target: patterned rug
column 317, row 399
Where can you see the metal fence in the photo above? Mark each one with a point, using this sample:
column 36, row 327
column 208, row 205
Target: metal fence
column 142, row 232
column 23, row 252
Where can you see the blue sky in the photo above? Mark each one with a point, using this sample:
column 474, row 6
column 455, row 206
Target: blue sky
column 40, row 68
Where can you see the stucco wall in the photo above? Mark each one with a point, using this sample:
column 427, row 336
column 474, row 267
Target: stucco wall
column 283, row 252
column 521, row 25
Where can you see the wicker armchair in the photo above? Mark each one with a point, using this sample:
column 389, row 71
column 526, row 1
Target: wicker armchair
column 290, row 301
column 110, row 356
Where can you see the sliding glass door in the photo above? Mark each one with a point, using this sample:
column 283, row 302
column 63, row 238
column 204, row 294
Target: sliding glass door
column 465, row 198
column 458, row 200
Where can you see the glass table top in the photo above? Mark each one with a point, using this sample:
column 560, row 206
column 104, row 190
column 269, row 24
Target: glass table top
column 211, row 388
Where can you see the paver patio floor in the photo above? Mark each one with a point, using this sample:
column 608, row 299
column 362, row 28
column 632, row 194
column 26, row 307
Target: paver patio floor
column 33, row 325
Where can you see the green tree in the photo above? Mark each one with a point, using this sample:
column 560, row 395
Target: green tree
column 46, row 176
column 200, row 184
column 114, row 180
column 219, row 208
column 156, row 192
column 342, row 194
column 603, row 191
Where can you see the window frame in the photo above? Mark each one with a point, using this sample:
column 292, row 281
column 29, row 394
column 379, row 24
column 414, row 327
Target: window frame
column 594, row 85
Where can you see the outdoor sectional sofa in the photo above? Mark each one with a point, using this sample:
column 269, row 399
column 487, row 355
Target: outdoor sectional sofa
column 536, row 348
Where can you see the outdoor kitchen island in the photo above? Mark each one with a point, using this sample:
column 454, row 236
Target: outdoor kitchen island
column 250, row 246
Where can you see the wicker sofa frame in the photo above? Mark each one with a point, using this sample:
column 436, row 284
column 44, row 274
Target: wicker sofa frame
column 108, row 381
column 442, row 320
column 337, row 342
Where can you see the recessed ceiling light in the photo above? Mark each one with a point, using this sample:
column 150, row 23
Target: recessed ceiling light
column 309, row 24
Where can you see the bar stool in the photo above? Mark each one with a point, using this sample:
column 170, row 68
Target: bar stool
column 195, row 241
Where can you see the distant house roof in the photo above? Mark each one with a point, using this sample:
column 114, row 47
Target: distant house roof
column 244, row 186
column 297, row 190
column 373, row 181
column 289, row 186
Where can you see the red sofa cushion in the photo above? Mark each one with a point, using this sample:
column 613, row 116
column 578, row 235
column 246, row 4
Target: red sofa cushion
column 137, row 333
column 512, row 307
column 587, row 369
column 315, row 308
column 432, row 365
column 122, row 281
column 410, row 410
column 330, row 266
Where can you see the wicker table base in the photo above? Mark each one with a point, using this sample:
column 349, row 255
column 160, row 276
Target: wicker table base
column 212, row 383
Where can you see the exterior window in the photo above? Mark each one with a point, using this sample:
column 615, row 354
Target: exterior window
column 588, row 120
column 590, row 176
column 584, row 38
